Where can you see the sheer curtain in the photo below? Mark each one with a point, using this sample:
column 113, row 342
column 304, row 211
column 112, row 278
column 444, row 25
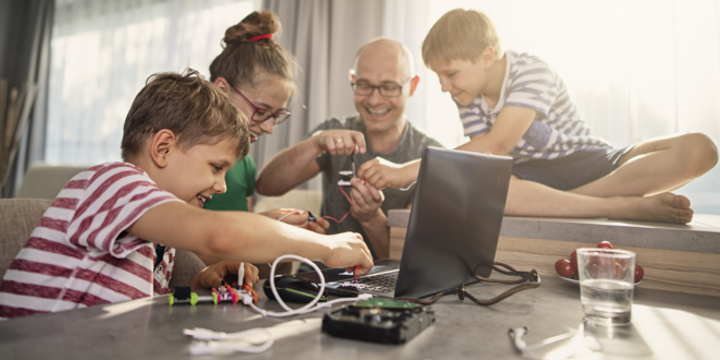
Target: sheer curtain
column 25, row 32
column 102, row 53
column 637, row 69
column 324, row 36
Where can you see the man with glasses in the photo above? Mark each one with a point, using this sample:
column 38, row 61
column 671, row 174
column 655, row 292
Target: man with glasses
column 382, row 83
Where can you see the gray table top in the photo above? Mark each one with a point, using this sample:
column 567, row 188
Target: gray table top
column 665, row 325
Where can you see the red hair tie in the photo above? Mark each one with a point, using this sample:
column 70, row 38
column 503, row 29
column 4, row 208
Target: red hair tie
column 260, row 37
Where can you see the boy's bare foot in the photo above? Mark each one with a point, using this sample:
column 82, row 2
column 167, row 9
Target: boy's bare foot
column 665, row 207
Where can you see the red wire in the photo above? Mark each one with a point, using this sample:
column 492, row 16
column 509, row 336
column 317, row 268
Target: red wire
column 346, row 214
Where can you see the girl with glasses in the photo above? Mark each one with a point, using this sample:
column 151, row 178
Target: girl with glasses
column 257, row 74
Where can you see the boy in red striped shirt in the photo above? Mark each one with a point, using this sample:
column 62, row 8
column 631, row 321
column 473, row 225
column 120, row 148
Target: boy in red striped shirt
column 96, row 244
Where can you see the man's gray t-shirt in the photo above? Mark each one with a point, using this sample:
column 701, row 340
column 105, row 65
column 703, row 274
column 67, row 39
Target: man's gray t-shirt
column 334, row 204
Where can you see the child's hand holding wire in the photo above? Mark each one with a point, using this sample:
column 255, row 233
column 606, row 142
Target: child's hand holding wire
column 366, row 200
column 294, row 217
column 317, row 224
column 230, row 271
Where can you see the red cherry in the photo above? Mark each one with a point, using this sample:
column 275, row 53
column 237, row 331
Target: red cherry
column 639, row 273
column 564, row 268
column 573, row 258
column 605, row 245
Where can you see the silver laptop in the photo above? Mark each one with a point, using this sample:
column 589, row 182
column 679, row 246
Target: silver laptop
column 454, row 226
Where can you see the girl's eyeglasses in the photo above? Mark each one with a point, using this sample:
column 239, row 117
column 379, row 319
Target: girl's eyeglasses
column 263, row 114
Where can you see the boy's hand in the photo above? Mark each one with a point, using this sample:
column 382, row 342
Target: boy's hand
column 319, row 225
column 382, row 173
column 251, row 274
column 340, row 142
column 298, row 219
column 366, row 200
column 212, row 276
column 348, row 250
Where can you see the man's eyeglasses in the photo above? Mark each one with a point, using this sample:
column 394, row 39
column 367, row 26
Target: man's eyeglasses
column 263, row 114
column 387, row 90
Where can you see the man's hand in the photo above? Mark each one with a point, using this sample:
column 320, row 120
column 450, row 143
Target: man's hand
column 319, row 225
column 366, row 200
column 348, row 250
column 340, row 142
column 299, row 219
column 382, row 173
column 212, row 276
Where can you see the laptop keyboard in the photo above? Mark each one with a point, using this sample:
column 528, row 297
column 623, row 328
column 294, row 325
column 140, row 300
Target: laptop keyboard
column 379, row 283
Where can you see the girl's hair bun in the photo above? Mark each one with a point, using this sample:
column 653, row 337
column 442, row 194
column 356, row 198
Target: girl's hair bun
column 242, row 60
column 257, row 23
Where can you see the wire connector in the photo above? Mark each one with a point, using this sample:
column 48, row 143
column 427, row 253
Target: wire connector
column 247, row 299
column 461, row 292
column 208, row 342
column 205, row 334
column 533, row 276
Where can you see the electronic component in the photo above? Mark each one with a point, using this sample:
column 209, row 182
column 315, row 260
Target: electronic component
column 183, row 295
column 224, row 293
column 379, row 320
column 347, row 175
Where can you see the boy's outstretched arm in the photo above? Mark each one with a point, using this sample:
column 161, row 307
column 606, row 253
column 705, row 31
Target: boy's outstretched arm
column 509, row 128
column 381, row 173
column 511, row 124
column 242, row 236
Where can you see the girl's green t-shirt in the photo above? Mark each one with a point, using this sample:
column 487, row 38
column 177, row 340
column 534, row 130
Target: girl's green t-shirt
column 240, row 182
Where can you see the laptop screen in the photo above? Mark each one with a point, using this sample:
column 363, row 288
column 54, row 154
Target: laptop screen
column 454, row 222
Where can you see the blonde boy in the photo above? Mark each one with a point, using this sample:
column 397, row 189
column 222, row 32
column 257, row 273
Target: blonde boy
column 513, row 104
column 96, row 243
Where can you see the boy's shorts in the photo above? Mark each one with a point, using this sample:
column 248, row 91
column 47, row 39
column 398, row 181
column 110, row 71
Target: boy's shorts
column 572, row 171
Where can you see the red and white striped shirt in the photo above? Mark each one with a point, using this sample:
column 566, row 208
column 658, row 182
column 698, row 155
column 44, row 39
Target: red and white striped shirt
column 80, row 254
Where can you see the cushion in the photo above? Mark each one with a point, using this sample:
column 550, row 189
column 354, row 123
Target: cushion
column 18, row 218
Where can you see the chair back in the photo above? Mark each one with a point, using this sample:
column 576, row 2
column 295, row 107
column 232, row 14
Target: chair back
column 18, row 218
column 44, row 181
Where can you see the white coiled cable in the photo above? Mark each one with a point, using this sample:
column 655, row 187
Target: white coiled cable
column 208, row 341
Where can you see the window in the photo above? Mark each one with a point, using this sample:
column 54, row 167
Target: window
column 636, row 69
column 102, row 53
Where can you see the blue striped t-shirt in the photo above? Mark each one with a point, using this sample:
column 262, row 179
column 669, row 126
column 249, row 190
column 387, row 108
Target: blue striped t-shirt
column 558, row 129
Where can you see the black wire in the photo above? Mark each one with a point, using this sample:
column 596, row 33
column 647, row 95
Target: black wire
column 510, row 271
column 528, row 280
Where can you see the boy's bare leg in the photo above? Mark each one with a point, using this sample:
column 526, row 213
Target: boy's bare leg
column 636, row 190
column 656, row 166
column 529, row 198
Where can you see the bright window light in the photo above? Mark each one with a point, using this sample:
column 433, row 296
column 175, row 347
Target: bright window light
column 102, row 54
column 637, row 69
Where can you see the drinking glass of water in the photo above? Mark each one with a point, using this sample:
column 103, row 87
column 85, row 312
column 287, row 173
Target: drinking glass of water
column 606, row 284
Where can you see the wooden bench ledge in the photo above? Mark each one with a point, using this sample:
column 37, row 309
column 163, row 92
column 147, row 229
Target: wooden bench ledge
column 682, row 258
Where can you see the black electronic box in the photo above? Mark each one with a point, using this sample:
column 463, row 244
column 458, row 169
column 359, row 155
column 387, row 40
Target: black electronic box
column 378, row 320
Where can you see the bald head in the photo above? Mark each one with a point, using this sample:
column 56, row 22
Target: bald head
column 389, row 50
column 385, row 78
